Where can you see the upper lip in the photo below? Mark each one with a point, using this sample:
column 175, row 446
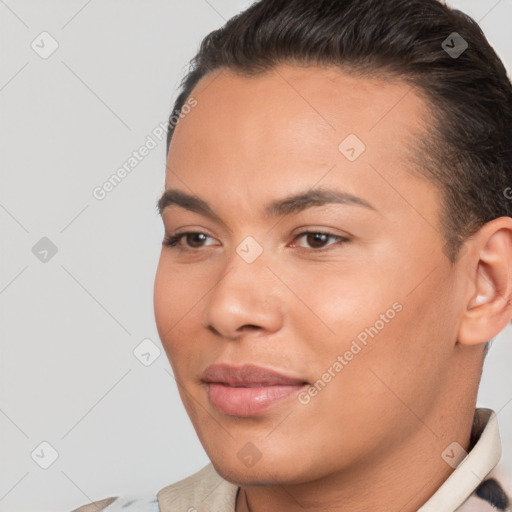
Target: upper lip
column 248, row 375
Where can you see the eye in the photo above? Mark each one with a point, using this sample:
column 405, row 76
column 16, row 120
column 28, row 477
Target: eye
column 174, row 240
column 317, row 239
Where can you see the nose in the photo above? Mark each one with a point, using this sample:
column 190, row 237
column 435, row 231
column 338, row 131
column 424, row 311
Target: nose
column 246, row 297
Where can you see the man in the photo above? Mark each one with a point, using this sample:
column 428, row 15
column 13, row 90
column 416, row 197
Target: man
column 337, row 254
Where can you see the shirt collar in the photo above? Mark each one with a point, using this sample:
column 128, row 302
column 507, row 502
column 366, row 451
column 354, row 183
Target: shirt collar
column 475, row 466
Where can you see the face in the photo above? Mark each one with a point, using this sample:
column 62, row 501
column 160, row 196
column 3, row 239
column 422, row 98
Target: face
column 345, row 291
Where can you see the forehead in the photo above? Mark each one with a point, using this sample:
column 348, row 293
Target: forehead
column 314, row 98
column 287, row 129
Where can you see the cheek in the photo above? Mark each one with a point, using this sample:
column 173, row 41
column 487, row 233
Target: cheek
column 350, row 304
column 178, row 301
column 174, row 295
column 406, row 362
column 171, row 306
column 162, row 300
column 390, row 339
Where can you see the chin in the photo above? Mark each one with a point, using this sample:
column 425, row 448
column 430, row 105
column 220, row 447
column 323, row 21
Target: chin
column 270, row 470
column 264, row 474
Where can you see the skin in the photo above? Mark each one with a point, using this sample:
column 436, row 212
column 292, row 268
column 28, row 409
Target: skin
column 372, row 438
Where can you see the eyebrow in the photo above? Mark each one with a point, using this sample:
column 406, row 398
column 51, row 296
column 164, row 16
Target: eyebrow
column 277, row 208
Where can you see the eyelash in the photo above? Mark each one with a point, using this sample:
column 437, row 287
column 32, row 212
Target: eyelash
column 172, row 241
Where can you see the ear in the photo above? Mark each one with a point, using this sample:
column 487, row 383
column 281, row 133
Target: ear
column 489, row 298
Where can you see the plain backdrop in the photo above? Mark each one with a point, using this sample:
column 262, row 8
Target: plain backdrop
column 77, row 273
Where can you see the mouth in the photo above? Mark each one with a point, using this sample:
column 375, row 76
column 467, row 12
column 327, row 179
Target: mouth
column 248, row 390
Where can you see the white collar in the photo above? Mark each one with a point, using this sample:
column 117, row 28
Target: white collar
column 470, row 472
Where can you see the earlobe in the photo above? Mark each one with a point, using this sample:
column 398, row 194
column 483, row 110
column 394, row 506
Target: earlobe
column 488, row 310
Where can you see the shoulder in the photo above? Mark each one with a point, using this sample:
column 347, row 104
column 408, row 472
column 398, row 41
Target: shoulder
column 205, row 488
column 124, row 504
column 95, row 506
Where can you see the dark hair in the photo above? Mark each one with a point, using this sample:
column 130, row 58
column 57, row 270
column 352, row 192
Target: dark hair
column 467, row 151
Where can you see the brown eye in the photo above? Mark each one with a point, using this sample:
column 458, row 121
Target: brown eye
column 317, row 240
column 195, row 239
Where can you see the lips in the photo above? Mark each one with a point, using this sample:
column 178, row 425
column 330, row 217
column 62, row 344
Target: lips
column 247, row 376
column 247, row 390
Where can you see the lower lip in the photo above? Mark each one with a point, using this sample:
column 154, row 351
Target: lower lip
column 248, row 401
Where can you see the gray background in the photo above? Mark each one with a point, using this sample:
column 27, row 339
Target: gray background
column 69, row 325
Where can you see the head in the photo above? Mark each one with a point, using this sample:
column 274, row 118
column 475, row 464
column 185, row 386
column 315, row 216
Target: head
column 352, row 227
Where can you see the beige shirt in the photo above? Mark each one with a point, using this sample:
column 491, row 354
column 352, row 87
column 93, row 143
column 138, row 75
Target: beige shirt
column 206, row 491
